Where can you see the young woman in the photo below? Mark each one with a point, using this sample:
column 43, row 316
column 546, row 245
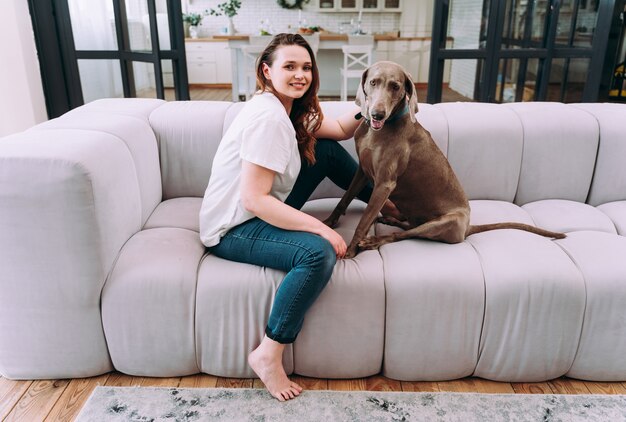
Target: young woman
column 266, row 167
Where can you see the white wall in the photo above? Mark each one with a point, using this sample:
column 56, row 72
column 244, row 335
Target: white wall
column 22, row 102
column 248, row 20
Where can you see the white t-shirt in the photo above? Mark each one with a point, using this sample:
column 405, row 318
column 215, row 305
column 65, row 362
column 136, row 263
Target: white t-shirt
column 261, row 134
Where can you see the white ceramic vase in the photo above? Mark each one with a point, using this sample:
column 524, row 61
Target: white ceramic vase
column 231, row 27
column 193, row 31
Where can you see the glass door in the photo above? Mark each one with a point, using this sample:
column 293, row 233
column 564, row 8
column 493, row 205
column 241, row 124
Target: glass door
column 520, row 50
column 118, row 48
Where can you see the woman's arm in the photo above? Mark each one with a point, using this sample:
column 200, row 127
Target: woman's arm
column 340, row 128
column 256, row 184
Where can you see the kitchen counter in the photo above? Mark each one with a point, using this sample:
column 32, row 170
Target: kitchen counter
column 324, row 36
column 411, row 52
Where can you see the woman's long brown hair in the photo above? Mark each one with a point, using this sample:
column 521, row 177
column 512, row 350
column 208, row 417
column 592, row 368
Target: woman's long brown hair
column 305, row 109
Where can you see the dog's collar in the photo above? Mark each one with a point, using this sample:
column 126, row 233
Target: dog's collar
column 394, row 117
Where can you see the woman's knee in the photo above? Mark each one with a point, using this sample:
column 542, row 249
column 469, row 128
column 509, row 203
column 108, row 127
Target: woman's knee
column 321, row 255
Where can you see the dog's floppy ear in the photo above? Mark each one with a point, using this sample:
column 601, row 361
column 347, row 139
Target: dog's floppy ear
column 360, row 95
column 409, row 88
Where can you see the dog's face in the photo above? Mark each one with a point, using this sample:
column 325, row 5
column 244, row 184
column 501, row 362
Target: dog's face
column 385, row 86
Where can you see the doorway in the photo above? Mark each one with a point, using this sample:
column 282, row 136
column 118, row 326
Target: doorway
column 524, row 50
column 108, row 49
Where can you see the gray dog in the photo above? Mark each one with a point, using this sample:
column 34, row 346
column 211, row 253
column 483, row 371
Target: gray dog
column 400, row 157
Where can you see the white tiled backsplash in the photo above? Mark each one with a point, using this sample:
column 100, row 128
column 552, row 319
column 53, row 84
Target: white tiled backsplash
column 252, row 12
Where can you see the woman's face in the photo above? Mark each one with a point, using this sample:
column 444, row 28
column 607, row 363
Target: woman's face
column 291, row 73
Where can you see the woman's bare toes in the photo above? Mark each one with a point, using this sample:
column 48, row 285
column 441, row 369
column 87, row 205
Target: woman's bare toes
column 272, row 374
column 296, row 387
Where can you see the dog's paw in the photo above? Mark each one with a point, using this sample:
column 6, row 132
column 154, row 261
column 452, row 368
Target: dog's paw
column 351, row 252
column 371, row 242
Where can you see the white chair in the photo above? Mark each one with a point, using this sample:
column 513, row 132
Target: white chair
column 357, row 56
column 250, row 53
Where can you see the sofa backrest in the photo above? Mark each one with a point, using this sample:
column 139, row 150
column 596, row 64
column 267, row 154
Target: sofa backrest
column 519, row 152
column 188, row 134
column 609, row 178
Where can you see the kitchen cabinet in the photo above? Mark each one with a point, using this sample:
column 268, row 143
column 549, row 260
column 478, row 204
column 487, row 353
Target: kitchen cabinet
column 357, row 5
column 208, row 62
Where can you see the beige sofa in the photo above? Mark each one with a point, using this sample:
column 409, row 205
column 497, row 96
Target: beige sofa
column 101, row 266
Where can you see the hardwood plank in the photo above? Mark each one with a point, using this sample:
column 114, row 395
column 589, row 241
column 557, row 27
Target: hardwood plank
column 420, row 386
column 234, row 382
column 159, row 382
column 476, row 385
column 531, row 387
column 38, row 400
column 117, row 379
column 358, row 384
column 10, row 393
column 74, row 397
column 605, row 387
column 209, row 94
column 568, row 386
column 309, row 383
column 198, row 381
column 63, row 399
column 382, row 383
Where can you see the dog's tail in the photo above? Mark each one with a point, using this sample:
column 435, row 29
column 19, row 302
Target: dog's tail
column 519, row 226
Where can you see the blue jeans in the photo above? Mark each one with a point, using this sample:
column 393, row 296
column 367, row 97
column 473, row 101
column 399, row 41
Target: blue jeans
column 308, row 259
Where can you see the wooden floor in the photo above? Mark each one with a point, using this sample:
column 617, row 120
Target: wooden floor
column 61, row 400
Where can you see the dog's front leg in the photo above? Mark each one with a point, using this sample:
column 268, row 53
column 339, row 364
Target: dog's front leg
column 379, row 196
column 356, row 185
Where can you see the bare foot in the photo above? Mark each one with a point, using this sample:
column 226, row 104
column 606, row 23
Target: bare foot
column 266, row 362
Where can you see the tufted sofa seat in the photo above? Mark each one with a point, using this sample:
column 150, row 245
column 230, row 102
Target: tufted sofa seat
column 101, row 265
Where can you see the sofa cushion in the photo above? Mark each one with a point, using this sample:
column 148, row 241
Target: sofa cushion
column 355, row 297
column 148, row 303
column 487, row 163
column 616, row 211
column 534, row 307
column 568, row 216
column 560, row 145
column 188, row 133
column 231, row 113
column 488, row 212
column 600, row 259
column 235, row 299
column 433, row 119
column 231, row 310
column 135, row 107
column 435, row 298
column 177, row 212
column 609, row 179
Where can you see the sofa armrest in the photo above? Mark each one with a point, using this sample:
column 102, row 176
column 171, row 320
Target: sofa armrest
column 69, row 200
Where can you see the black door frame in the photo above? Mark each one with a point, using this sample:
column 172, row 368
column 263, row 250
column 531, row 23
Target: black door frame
column 58, row 57
column 602, row 53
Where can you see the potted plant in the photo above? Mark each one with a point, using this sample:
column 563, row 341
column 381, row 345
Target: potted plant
column 229, row 8
column 192, row 20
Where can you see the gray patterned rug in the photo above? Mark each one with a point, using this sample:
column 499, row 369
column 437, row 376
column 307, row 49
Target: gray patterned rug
column 217, row 404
